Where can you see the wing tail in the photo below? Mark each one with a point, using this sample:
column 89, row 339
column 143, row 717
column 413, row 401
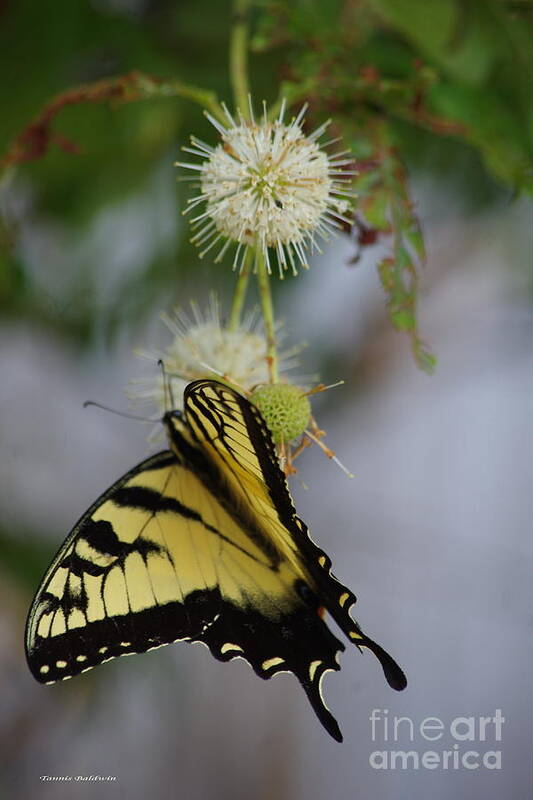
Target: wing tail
column 313, row 690
column 339, row 600
column 393, row 672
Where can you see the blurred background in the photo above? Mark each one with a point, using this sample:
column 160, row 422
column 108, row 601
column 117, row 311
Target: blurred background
column 433, row 533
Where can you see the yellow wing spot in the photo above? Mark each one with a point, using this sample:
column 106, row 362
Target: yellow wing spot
column 58, row 624
column 61, row 664
column 57, row 582
column 43, row 628
column 152, row 479
column 313, row 666
column 164, row 584
column 75, row 584
column 95, row 608
column 229, row 646
column 125, row 644
column 81, row 659
column 140, row 594
column 44, row 669
column 354, row 635
column 322, row 561
column 76, row 619
column 343, row 598
column 272, row 662
column 103, row 649
column 116, row 593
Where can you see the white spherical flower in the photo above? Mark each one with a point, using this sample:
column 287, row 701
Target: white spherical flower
column 268, row 186
column 201, row 347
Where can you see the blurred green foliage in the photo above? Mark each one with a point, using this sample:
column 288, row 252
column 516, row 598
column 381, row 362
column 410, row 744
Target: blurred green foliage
column 443, row 85
column 398, row 75
column 22, row 555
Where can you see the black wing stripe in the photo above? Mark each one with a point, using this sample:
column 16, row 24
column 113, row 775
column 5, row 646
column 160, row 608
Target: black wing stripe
column 79, row 566
column 336, row 597
column 152, row 501
column 99, row 535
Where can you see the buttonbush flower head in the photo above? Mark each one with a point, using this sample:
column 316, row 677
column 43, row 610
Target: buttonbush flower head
column 285, row 408
column 287, row 412
column 268, row 187
column 202, row 347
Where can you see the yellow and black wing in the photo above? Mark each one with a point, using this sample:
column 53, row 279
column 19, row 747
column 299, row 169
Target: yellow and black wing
column 113, row 588
column 240, row 450
column 200, row 543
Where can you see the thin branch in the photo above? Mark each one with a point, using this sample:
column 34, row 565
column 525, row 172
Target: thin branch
column 34, row 141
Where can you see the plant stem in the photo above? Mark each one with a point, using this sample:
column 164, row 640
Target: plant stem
column 35, row 139
column 175, row 88
column 268, row 315
column 238, row 56
column 240, row 292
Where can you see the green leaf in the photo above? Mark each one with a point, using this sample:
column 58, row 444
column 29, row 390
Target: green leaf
column 492, row 126
column 414, row 236
column 376, row 206
column 403, row 320
column 430, row 24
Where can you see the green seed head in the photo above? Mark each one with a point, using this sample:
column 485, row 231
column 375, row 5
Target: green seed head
column 285, row 409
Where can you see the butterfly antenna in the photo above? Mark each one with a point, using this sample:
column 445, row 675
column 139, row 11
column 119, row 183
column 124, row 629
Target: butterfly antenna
column 116, row 411
column 167, row 387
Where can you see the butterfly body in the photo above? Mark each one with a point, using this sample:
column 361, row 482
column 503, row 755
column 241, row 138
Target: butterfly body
column 200, row 542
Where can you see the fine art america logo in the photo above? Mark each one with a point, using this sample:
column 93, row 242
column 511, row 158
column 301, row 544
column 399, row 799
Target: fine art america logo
column 463, row 742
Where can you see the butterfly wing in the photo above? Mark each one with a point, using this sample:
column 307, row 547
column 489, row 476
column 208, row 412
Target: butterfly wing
column 153, row 561
column 112, row 589
column 198, row 544
column 234, row 434
column 160, row 558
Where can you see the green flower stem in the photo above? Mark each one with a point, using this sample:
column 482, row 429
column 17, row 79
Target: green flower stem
column 238, row 56
column 268, row 315
column 240, row 292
